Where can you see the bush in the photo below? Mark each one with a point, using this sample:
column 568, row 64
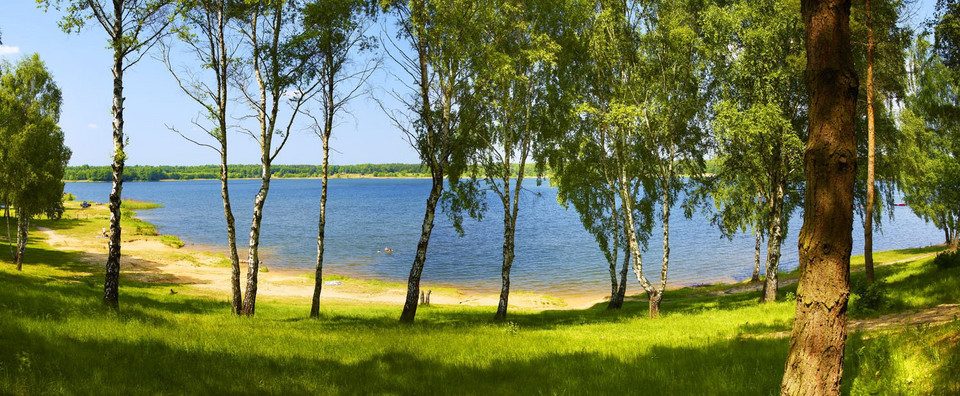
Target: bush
column 947, row 260
column 866, row 298
column 69, row 197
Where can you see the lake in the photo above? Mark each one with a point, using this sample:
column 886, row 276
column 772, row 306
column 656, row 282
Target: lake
column 554, row 254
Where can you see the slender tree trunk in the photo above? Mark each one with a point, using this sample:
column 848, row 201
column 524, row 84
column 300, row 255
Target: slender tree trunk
column 322, row 223
column 237, row 302
column 619, row 288
column 111, row 284
column 815, row 361
column 413, row 282
column 756, row 258
column 509, row 232
column 13, row 252
column 871, row 149
column 774, row 242
column 253, row 260
column 23, row 224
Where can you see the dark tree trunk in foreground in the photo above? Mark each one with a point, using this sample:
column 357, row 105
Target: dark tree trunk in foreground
column 871, row 148
column 111, row 284
column 815, row 362
column 413, row 282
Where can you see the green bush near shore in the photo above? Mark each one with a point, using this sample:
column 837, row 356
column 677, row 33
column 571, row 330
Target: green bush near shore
column 56, row 337
column 171, row 240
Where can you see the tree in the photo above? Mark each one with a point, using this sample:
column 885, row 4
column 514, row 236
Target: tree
column 32, row 154
column 508, row 97
column 669, row 100
column 880, row 64
column 277, row 69
column 339, row 32
column 132, row 28
column 814, row 364
column 437, row 32
column 931, row 121
column 759, row 128
column 203, row 29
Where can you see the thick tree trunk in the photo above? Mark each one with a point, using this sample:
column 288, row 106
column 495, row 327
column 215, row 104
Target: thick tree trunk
column 413, row 281
column 111, row 284
column 23, row 224
column 815, row 361
column 322, row 222
column 871, row 149
column 756, row 259
column 253, row 258
column 774, row 242
column 655, row 299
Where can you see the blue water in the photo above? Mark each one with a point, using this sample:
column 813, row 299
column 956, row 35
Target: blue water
column 554, row 254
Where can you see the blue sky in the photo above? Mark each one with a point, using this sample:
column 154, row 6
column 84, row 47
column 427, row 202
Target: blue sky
column 80, row 64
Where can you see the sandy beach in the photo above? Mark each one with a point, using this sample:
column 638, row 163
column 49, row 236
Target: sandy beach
column 206, row 273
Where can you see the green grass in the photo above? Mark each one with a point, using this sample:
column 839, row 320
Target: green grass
column 56, row 337
column 133, row 204
column 171, row 240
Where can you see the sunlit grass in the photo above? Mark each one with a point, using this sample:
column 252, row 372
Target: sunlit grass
column 56, row 337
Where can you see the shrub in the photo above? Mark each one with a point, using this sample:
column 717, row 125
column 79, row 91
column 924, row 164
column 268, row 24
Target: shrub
column 866, row 298
column 947, row 260
column 69, row 197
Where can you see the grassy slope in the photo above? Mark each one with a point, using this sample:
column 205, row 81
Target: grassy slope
column 55, row 337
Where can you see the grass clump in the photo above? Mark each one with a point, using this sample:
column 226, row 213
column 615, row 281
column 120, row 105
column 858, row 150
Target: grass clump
column 172, row 241
column 133, row 204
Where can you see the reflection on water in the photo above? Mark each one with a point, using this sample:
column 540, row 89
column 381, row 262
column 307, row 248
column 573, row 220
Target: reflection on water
column 553, row 252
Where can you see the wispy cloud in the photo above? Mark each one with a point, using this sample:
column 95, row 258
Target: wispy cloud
column 92, row 126
column 9, row 50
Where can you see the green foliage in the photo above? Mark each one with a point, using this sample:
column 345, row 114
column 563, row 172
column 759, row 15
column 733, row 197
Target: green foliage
column 212, row 172
column 946, row 260
column 69, row 197
column 867, row 298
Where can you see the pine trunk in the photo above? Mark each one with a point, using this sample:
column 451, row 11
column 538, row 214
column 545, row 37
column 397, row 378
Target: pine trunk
column 413, row 281
column 871, row 149
column 815, row 361
column 774, row 242
column 111, row 284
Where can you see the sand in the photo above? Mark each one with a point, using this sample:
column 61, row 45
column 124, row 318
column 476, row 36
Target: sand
column 204, row 273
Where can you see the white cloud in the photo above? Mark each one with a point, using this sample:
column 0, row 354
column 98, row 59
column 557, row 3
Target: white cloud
column 92, row 126
column 9, row 50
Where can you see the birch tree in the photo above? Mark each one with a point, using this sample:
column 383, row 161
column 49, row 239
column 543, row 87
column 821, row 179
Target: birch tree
column 433, row 61
column 275, row 81
column 33, row 157
column 339, row 33
column 203, row 30
column 132, row 28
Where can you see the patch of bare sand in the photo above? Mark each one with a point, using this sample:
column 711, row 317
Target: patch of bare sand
column 151, row 261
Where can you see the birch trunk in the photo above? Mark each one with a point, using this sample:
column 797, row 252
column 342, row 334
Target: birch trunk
column 509, row 231
column 111, row 284
column 13, row 251
column 756, row 260
column 322, row 222
column 23, row 224
column 413, row 282
column 253, row 258
column 774, row 242
column 814, row 364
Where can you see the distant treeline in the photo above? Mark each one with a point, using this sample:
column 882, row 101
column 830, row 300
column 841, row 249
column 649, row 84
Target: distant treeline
column 212, row 172
column 166, row 172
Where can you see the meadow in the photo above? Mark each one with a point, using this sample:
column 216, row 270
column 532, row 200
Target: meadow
column 56, row 337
